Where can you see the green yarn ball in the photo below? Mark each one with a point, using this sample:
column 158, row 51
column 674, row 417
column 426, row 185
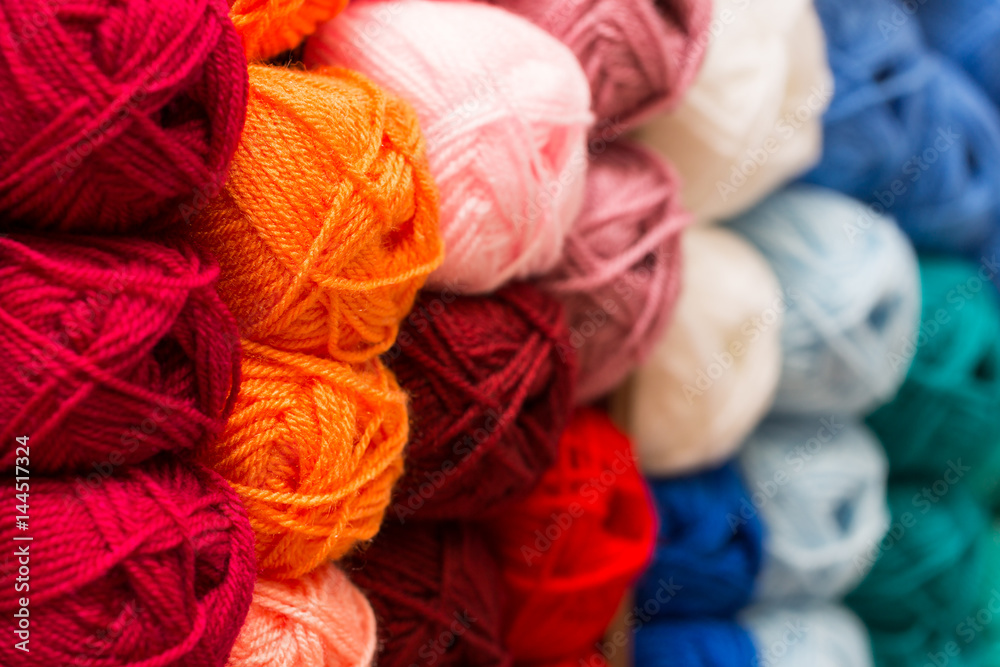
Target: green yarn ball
column 927, row 575
column 946, row 415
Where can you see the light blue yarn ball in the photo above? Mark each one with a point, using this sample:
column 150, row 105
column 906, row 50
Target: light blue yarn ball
column 819, row 485
column 817, row 635
column 852, row 290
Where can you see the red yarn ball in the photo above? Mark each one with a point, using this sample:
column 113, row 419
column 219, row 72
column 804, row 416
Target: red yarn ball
column 155, row 566
column 490, row 381
column 574, row 546
column 117, row 114
column 435, row 591
column 112, row 350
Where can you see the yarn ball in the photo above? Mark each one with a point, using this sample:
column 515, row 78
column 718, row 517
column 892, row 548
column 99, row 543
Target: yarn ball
column 946, row 410
column 320, row 620
column 808, row 635
column 639, row 56
column 313, row 448
column 853, row 290
column 620, row 273
column 713, row 374
column 440, row 603
column 268, row 27
column 708, row 550
column 505, row 109
column 967, row 31
column 571, row 549
column 701, row 642
column 752, row 119
column 926, row 574
column 490, row 385
column 113, row 350
column 328, row 225
column 118, row 116
column 820, row 488
column 154, row 566
column 908, row 131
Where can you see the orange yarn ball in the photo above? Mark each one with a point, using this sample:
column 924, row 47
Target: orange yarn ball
column 328, row 224
column 268, row 27
column 320, row 620
column 313, row 448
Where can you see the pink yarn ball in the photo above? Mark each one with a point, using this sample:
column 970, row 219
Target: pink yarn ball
column 621, row 270
column 640, row 56
column 504, row 108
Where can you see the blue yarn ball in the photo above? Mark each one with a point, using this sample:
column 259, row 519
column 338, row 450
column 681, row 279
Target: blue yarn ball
column 968, row 31
column 694, row 643
column 808, row 635
column 907, row 130
column 852, row 290
column 820, row 487
column 708, row 549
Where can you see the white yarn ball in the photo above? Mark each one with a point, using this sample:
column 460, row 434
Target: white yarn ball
column 712, row 377
column 811, row 635
column 753, row 118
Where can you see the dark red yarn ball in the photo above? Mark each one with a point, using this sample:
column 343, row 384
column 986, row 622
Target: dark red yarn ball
column 117, row 114
column 155, row 566
column 574, row 546
column 435, row 590
column 112, row 350
column 490, row 380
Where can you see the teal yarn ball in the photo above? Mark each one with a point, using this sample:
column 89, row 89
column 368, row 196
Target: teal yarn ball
column 946, row 417
column 927, row 573
column 852, row 287
column 820, row 488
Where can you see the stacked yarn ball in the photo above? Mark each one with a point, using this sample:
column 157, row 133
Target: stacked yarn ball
column 313, row 448
column 321, row 620
column 709, row 642
column 268, row 27
column 115, row 349
column 709, row 545
column 713, row 374
column 853, row 293
column 620, row 272
column 155, row 566
column 640, row 56
column 327, row 226
column 808, row 635
column 505, row 109
column 570, row 550
column 821, row 487
column 752, row 119
column 947, row 407
column 490, row 385
column 442, row 598
column 118, row 116
column 968, row 31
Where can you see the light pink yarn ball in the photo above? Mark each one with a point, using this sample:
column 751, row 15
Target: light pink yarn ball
column 320, row 620
column 621, row 269
column 504, row 108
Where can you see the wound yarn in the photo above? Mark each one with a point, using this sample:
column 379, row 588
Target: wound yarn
column 441, row 601
column 319, row 620
column 853, row 294
column 713, row 374
column 570, row 550
column 967, row 31
column 505, row 109
column 114, row 349
column 752, row 119
column 313, row 448
column 268, row 27
column 153, row 567
column 640, row 56
column 946, row 411
column 620, row 272
column 694, row 642
column 490, row 381
column 820, row 488
column 118, row 116
column 908, row 131
column 708, row 549
column 808, row 634
column 327, row 226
